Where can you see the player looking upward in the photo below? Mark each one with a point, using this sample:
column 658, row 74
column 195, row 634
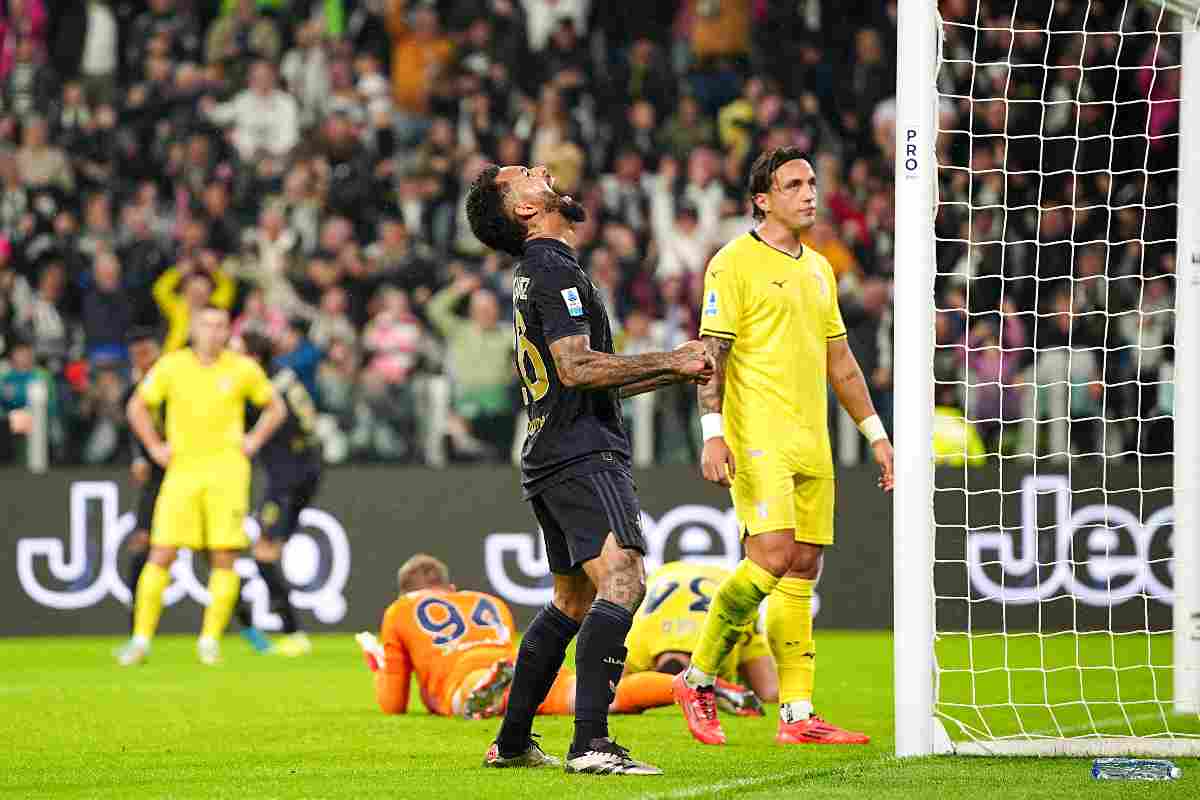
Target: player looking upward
column 291, row 458
column 575, row 465
column 771, row 322
column 460, row 644
column 206, row 455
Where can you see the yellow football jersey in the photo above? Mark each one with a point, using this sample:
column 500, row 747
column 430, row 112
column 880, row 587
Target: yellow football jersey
column 671, row 616
column 208, row 403
column 780, row 311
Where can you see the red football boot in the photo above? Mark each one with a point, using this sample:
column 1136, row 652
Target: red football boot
column 699, row 709
column 815, row 730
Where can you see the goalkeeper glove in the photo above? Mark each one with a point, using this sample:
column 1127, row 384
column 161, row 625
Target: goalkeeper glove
column 372, row 650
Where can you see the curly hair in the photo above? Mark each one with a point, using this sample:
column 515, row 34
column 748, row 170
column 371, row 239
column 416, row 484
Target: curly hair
column 762, row 172
column 489, row 220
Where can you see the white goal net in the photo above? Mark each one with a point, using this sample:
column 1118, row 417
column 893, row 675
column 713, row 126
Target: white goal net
column 1056, row 232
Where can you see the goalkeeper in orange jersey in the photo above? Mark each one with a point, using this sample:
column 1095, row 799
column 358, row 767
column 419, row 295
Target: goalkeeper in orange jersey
column 462, row 647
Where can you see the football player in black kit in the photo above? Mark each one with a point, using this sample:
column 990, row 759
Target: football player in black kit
column 144, row 349
column 292, row 461
column 575, row 467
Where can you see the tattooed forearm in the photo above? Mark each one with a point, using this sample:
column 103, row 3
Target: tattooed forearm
column 650, row 384
column 711, row 395
column 846, row 379
column 581, row 367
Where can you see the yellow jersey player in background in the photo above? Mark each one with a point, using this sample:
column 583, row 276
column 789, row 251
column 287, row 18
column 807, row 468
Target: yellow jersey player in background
column 771, row 322
column 667, row 627
column 205, row 492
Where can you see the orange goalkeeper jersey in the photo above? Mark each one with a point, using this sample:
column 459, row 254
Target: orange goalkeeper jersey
column 442, row 636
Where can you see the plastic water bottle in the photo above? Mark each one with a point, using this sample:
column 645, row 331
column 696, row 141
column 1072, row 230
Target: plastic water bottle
column 1135, row 769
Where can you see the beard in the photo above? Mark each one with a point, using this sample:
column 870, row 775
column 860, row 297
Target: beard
column 571, row 210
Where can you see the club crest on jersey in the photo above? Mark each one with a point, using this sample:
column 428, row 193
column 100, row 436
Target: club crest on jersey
column 710, row 304
column 574, row 304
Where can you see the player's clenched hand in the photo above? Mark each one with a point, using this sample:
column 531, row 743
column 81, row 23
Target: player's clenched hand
column 250, row 445
column 884, row 457
column 716, row 462
column 161, row 453
column 692, row 361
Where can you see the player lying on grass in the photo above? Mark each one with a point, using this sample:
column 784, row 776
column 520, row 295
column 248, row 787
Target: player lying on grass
column 667, row 628
column 462, row 648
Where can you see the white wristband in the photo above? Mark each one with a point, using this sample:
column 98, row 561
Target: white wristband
column 710, row 425
column 872, row 428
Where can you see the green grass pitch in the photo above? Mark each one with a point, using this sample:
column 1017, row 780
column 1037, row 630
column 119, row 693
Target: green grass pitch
column 75, row 725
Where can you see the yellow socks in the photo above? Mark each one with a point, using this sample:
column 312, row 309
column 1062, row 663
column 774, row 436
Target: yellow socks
column 224, row 585
column 148, row 602
column 733, row 606
column 790, row 635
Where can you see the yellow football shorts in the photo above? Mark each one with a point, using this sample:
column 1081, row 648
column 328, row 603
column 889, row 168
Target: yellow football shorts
column 768, row 496
column 203, row 508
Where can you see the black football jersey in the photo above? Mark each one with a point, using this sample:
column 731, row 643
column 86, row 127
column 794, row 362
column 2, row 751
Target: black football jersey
column 292, row 452
column 571, row 431
column 137, row 449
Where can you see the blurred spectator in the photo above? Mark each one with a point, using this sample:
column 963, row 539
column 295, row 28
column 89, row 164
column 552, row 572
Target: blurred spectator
column 26, row 81
column 687, row 129
column 624, row 193
column 53, row 334
column 543, row 16
column 294, row 351
column 107, row 311
column 259, row 317
column 268, row 259
column 333, row 323
column 479, row 359
column 305, row 71
column 393, row 341
column 98, row 64
column 14, row 384
column 264, row 119
column 186, row 287
column 419, row 52
column 40, row 163
column 235, row 40
column 684, row 238
column 162, row 22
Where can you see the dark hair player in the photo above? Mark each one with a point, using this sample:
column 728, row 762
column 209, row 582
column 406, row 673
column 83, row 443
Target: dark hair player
column 575, row 467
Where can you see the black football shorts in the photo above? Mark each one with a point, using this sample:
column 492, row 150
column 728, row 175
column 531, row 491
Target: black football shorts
column 578, row 514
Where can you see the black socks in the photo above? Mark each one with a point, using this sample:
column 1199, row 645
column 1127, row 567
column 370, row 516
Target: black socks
column 599, row 659
column 538, row 661
column 272, row 575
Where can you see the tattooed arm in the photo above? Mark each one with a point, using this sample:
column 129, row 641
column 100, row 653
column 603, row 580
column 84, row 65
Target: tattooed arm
column 651, row 384
column 716, row 461
column 846, row 378
column 581, row 367
column 712, row 394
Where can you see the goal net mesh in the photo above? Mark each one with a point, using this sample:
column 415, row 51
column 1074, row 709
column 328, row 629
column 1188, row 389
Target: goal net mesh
column 1057, row 155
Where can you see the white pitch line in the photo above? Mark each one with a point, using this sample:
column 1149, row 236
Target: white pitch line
column 1107, row 721
column 766, row 780
column 784, row 777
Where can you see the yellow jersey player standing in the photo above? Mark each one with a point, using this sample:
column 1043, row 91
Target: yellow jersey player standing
column 770, row 320
column 205, row 492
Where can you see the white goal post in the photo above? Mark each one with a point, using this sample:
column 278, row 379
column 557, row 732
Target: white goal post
column 1047, row 577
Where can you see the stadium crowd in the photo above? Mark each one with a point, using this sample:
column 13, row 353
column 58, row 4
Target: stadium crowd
column 305, row 163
